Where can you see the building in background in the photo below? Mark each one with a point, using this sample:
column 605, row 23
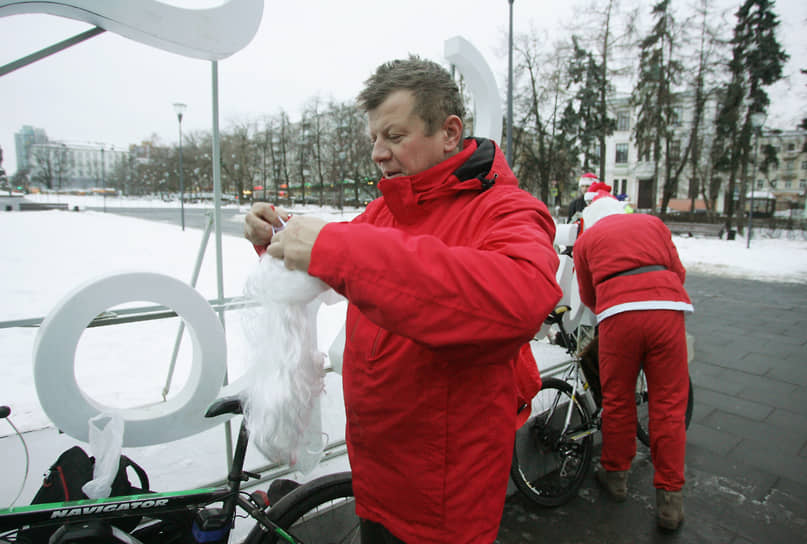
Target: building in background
column 628, row 173
column 27, row 137
column 632, row 175
column 782, row 170
column 70, row 166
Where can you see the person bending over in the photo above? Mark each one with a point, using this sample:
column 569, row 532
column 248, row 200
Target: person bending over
column 630, row 275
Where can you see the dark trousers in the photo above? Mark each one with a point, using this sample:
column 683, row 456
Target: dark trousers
column 375, row 533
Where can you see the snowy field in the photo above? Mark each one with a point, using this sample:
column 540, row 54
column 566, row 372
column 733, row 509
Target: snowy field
column 46, row 255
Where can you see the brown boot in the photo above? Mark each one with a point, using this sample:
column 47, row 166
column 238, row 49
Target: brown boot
column 615, row 483
column 669, row 509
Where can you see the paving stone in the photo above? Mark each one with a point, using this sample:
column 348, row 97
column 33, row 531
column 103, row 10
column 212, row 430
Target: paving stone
column 796, row 492
column 777, row 441
column 785, row 419
column 716, row 383
column 771, row 457
column 733, row 405
column 753, row 363
column 773, row 392
column 790, row 371
column 715, row 441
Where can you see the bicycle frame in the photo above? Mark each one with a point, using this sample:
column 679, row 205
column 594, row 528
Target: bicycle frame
column 151, row 505
column 578, row 383
column 574, row 373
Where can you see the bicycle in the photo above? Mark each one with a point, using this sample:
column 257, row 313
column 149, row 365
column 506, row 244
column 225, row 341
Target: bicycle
column 553, row 449
column 320, row 510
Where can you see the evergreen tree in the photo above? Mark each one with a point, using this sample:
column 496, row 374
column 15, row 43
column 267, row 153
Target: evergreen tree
column 587, row 75
column 757, row 62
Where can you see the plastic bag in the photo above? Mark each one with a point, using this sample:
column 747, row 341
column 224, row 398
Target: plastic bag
column 106, row 439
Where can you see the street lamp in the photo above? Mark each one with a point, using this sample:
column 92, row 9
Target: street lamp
column 103, row 176
column 179, row 108
column 757, row 120
column 510, row 91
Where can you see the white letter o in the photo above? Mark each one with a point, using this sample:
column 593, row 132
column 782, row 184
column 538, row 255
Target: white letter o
column 183, row 415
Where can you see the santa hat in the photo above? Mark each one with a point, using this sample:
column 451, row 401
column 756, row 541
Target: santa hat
column 603, row 205
column 587, row 179
column 595, row 190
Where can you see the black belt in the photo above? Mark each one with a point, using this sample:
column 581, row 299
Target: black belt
column 639, row 270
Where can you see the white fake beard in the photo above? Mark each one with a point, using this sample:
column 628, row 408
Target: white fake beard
column 286, row 371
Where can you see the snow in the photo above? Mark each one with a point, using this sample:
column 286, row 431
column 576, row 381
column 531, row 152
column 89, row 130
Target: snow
column 47, row 254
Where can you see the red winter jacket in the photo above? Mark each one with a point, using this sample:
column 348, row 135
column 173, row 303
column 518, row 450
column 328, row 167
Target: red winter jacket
column 623, row 242
column 446, row 280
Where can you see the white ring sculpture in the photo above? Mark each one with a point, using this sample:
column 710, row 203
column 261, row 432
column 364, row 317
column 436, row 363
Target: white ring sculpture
column 55, row 350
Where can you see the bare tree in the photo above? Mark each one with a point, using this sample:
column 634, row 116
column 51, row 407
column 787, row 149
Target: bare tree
column 609, row 30
column 44, row 171
column 542, row 153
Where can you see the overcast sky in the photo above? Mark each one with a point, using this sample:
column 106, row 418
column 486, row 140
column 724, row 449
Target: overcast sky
column 116, row 91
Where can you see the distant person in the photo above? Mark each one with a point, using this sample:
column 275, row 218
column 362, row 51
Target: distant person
column 577, row 205
column 448, row 276
column 630, row 275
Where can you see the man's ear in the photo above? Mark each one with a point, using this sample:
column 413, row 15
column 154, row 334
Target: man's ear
column 452, row 133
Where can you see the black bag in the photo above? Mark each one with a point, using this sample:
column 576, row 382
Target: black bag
column 74, row 468
column 63, row 483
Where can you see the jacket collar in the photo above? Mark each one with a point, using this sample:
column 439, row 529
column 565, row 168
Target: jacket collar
column 468, row 170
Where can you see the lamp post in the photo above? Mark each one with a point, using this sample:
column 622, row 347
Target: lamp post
column 757, row 120
column 103, row 176
column 510, row 90
column 179, row 108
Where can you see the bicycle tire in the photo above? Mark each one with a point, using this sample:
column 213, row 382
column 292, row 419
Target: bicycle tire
column 642, row 412
column 323, row 506
column 549, row 468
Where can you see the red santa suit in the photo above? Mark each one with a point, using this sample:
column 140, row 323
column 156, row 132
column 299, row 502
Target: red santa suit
column 630, row 275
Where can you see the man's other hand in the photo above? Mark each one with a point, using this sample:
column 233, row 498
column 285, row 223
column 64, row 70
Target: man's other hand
column 294, row 243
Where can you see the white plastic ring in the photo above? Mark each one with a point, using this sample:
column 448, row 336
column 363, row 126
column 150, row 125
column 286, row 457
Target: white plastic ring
column 183, row 415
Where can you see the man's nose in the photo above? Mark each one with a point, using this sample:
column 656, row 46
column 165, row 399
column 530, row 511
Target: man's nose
column 380, row 151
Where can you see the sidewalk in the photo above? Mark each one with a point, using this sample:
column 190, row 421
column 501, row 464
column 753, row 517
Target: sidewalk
column 746, row 447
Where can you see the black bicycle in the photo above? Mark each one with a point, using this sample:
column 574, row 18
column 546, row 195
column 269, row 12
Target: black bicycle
column 321, row 510
column 553, row 449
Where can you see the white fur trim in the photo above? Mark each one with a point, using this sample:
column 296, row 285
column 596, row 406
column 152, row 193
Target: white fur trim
column 599, row 208
column 645, row 305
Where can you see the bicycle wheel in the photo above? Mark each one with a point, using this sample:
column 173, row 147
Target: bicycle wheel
column 643, row 414
column 321, row 510
column 549, row 465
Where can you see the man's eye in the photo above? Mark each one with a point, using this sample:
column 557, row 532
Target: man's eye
column 395, row 137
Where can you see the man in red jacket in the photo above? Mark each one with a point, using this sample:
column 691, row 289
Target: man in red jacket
column 448, row 275
column 629, row 274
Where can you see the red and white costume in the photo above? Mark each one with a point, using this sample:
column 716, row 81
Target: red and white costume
column 448, row 276
column 640, row 313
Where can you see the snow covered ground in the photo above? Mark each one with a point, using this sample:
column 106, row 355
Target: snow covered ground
column 45, row 255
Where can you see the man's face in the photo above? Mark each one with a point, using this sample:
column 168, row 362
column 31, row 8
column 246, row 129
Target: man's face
column 400, row 144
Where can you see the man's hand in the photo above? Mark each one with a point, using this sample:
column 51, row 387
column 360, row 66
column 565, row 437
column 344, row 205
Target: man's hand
column 259, row 221
column 294, row 243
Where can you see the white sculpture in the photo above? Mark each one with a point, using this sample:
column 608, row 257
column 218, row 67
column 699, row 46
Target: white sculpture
column 211, row 34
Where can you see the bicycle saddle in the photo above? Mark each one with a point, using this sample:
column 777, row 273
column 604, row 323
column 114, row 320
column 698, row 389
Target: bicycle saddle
column 557, row 315
column 225, row 405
